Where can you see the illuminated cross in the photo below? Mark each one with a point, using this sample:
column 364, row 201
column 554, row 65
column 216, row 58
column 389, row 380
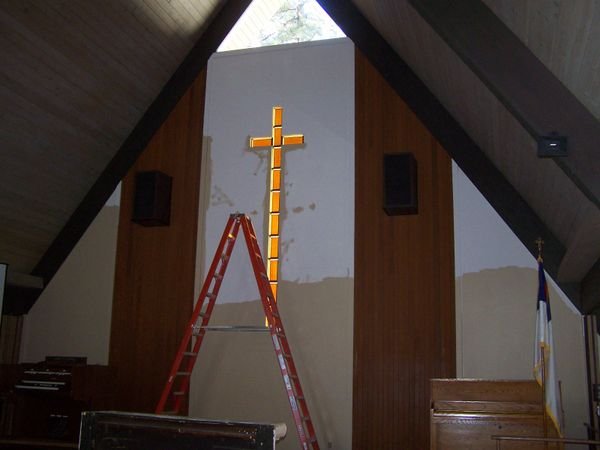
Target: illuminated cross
column 276, row 141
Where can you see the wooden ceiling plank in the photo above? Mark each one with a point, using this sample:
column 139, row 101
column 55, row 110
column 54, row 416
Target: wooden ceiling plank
column 200, row 11
column 103, row 136
column 69, row 38
column 49, row 213
column 184, row 20
column 535, row 97
column 133, row 47
column 55, row 191
column 27, row 121
column 205, row 8
column 135, row 23
column 164, row 21
column 60, row 78
column 97, row 37
column 44, row 157
column 503, row 197
column 574, row 56
column 139, row 137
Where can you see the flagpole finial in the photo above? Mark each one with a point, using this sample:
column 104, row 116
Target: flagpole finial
column 540, row 244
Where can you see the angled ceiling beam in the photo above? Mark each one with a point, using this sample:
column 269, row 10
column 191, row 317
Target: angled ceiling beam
column 503, row 197
column 139, row 138
column 534, row 96
column 590, row 290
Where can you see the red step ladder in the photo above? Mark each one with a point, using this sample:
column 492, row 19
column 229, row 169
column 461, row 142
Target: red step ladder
column 178, row 383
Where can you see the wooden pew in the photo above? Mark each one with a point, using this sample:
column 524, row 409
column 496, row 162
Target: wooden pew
column 466, row 413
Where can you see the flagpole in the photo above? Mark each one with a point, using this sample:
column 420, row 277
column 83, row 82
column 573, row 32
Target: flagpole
column 540, row 244
column 544, row 412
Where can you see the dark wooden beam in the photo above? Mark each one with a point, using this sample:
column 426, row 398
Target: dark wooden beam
column 503, row 197
column 533, row 95
column 138, row 139
column 18, row 300
column 590, row 290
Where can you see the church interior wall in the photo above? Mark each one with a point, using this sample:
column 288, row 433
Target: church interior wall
column 237, row 376
column 496, row 297
column 73, row 315
column 495, row 283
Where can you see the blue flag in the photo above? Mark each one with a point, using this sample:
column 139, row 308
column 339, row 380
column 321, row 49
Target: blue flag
column 544, row 342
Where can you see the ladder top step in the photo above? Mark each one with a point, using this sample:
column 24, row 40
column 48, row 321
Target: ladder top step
column 242, row 328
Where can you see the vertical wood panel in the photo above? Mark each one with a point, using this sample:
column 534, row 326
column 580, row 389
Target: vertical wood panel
column 404, row 275
column 154, row 275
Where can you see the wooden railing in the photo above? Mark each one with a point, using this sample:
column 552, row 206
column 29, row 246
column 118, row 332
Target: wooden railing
column 499, row 440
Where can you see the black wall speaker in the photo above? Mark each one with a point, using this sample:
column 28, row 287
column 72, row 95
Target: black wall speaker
column 152, row 200
column 400, row 184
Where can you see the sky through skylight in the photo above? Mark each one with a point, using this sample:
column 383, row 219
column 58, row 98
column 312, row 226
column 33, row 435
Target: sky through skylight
column 273, row 22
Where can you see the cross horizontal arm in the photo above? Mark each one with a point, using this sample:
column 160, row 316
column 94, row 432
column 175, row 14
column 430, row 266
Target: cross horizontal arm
column 293, row 139
column 261, row 142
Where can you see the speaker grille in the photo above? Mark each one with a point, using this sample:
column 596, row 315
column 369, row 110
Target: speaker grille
column 400, row 184
column 152, row 200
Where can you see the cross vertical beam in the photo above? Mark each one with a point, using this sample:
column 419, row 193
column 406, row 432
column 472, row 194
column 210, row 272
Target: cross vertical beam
column 276, row 141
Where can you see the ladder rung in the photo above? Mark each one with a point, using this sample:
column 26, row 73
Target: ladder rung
column 189, row 353
column 306, row 418
column 218, row 276
column 248, row 328
column 211, row 295
column 183, row 374
column 179, row 393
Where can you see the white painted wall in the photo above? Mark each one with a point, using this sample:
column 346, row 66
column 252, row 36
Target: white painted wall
column 237, row 377
column 315, row 85
column 72, row 316
column 496, row 297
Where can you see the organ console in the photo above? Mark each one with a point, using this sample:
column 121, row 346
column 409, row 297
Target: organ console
column 45, row 400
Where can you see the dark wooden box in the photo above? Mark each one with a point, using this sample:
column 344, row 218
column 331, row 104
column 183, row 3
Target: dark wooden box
column 132, row 431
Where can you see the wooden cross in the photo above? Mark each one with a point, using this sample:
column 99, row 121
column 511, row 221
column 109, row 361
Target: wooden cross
column 276, row 141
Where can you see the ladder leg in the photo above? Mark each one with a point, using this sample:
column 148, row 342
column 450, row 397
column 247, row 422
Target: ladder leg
column 181, row 369
column 297, row 400
column 185, row 359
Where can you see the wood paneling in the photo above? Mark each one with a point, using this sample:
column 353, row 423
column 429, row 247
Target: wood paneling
column 404, row 275
column 465, row 413
column 154, row 275
column 10, row 338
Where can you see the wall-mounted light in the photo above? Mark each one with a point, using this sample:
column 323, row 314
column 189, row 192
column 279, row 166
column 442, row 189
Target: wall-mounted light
column 552, row 146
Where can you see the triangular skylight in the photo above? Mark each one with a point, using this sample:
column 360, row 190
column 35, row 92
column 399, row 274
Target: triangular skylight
column 272, row 22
